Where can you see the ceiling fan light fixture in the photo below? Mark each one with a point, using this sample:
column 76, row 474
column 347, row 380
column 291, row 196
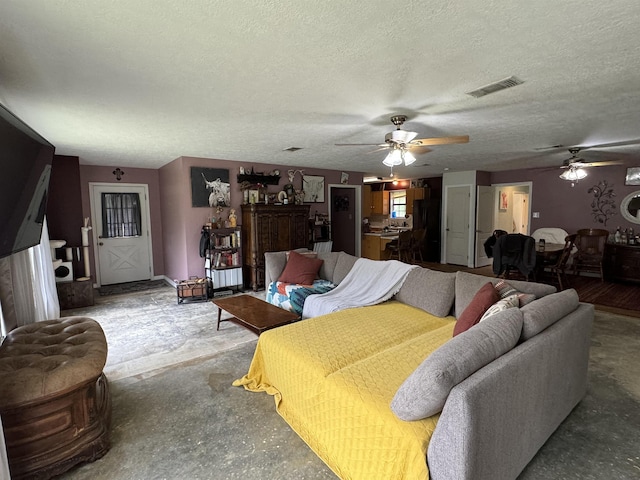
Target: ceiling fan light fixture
column 393, row 158
column 573, row 174
column 408, row 157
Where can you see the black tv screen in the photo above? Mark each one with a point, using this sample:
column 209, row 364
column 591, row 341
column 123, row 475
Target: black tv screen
column 25, row 168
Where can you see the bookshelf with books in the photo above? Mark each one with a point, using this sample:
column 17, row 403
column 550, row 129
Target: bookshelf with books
column 223, row 260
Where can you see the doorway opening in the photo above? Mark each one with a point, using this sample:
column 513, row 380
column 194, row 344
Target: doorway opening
column 345, row 207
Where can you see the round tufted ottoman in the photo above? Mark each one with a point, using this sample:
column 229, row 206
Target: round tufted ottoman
column 54, row 398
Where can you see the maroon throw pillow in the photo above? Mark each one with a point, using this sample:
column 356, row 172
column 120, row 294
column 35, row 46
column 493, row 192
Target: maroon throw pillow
column 300, row 269
column 481, row 302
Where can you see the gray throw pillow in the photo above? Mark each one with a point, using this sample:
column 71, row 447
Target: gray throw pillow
column 546, row 311
column 429, row 290
column 425, row 391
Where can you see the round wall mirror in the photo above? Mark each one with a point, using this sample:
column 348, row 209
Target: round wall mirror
column 630, row 207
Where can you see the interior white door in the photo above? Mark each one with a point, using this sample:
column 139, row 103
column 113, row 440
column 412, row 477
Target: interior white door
column 457, row 225
column 521, row 212
column 485, row 210
column 123, row 247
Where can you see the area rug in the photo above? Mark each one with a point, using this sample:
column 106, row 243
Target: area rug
column 148, row 331
column 131, row 287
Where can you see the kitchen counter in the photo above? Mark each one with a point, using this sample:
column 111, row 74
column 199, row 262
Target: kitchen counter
column 374, row 243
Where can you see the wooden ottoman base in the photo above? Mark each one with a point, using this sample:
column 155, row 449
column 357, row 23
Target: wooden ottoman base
column 45, row 438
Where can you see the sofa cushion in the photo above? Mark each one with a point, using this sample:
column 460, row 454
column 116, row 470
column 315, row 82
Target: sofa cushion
column 300, row 269
column 344, row 264
column 505, row 290
column 546, row 311
column 429, row 290
column 467, row 284
column 511, row 301
column 425, row 391
column 482, row 300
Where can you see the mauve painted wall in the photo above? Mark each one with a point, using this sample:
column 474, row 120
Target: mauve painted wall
column 175, row 200
column 182, row 223
column 150, row 177
column 561, row 205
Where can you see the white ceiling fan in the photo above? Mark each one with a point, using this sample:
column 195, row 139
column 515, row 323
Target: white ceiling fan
column 576, row 162
column 403, row 144
column 574, row 166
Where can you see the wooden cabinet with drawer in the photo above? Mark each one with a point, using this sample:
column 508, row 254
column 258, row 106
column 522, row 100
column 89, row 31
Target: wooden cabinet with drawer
column 270, row 228
column 622, row 262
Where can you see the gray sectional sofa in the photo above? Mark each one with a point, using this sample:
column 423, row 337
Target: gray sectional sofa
column 496, row 419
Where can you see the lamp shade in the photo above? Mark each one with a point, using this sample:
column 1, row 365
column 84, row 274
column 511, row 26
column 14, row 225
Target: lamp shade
column 573, row 174
column 393, row 159
column 408, row 157
column 398, row 156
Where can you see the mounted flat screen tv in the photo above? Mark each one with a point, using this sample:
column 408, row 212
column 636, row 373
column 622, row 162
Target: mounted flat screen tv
column 25, row 168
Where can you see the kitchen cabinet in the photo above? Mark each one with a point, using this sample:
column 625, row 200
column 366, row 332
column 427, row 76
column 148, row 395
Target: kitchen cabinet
column 367, row 203
column 414, row 194
column 270, row 228
column 380, row 202
column 373, row 247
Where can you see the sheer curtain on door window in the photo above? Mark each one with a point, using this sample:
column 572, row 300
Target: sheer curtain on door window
column 121, row 215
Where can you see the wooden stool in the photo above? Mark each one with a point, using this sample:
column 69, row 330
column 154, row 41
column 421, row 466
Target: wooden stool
column 55, row 403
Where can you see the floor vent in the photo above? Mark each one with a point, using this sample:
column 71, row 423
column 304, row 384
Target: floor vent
column 496, row 87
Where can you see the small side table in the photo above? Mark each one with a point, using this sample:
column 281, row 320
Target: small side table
column 75, row 294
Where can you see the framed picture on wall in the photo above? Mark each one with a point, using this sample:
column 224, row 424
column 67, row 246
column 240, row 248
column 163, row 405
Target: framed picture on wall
column 313, row 187
column 210, row 187
column 503, row 201
column 254, row 196
column 633, row 176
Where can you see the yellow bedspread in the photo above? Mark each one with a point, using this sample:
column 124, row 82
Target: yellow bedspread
column 333, row 378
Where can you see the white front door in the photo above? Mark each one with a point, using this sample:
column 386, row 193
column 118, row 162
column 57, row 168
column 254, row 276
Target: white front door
column 485, row 209
column 457, row 225
column 121, row 225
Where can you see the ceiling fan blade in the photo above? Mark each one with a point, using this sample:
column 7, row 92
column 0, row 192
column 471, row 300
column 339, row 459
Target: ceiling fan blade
column 419, row 149
column 604, row 163
column 440, row 140
column 379, row 149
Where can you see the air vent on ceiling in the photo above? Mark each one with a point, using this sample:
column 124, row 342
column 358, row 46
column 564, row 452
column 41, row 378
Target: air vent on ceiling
column 496, row 87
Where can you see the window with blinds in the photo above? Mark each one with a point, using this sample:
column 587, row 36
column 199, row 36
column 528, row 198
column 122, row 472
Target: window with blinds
column 121, row 215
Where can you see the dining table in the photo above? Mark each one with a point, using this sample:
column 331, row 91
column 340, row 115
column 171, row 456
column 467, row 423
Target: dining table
column 546, row 255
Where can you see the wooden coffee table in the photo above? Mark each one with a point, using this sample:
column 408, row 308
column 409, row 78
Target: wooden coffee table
column 252, row 313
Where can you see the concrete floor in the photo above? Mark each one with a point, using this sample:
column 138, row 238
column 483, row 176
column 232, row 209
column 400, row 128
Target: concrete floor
column 184, row 420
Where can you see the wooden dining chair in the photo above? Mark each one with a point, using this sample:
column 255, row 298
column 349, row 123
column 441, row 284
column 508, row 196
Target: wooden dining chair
column 559, row 269
column 417, row 244
column 590, row 243
column 402, row 248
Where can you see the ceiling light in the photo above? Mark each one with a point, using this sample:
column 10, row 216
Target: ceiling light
column 398, row 156
column 393, row 158
column 408, row 157
column 573, row 174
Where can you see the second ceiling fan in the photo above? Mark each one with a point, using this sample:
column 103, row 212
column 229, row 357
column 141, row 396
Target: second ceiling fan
column 403, row 143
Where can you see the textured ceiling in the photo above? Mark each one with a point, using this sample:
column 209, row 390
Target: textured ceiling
column 140, row 83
